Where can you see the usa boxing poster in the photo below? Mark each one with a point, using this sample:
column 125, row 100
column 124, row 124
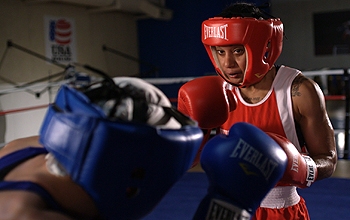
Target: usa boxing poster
column 60, row 39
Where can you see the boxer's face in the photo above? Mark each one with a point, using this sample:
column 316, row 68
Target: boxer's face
column 232, row 60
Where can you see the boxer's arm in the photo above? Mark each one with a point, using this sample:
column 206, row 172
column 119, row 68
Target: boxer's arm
column 22, row 204
column 310, row 112
column 19, row 144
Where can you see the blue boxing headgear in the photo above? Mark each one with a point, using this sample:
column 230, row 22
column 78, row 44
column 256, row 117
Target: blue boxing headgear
column 122, row 143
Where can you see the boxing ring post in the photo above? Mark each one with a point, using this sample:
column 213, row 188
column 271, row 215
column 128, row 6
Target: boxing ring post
column 347, row 113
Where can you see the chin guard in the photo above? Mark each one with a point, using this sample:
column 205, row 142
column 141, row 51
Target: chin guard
column 262, row 40
column 126, row 167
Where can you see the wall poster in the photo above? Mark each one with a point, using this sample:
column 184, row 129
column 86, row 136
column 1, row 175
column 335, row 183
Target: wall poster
column 60, row 39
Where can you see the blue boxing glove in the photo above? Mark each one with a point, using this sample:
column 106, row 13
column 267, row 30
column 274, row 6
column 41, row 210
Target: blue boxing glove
column 241, row 168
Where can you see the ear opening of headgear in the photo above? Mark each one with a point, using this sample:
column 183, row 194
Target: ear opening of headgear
column 262, row 40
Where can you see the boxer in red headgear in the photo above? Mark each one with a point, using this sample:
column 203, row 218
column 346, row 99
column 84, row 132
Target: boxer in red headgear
column 261, row 52
column 243, row 43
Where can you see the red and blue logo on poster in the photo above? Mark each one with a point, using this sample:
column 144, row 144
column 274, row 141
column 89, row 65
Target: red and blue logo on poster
column 60, row 36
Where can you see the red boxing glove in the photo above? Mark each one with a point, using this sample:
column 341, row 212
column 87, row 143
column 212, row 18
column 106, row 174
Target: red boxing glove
column 301, row 169
column 207, row 101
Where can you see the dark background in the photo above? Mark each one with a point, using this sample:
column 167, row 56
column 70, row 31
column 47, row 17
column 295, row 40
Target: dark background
column 174, row 46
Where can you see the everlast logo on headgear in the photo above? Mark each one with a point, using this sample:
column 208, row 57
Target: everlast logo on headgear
column 215, row 31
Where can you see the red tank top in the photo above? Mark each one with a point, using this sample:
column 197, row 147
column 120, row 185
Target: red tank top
column 274, row 113
column 264, row 114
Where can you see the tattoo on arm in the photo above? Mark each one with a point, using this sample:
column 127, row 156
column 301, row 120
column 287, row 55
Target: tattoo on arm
column 296, row 84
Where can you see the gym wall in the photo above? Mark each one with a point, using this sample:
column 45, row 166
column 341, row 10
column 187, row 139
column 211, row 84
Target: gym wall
column 23, row 24
column 298, row 49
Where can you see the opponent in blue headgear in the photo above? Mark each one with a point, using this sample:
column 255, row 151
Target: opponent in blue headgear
column 121, row 141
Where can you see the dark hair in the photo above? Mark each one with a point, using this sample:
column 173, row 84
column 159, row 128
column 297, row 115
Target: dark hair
column 243, row 9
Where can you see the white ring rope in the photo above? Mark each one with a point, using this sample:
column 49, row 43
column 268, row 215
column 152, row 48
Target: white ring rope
column 154, row 81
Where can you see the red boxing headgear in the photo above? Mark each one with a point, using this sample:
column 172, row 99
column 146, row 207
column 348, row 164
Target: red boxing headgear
column 262, row 40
